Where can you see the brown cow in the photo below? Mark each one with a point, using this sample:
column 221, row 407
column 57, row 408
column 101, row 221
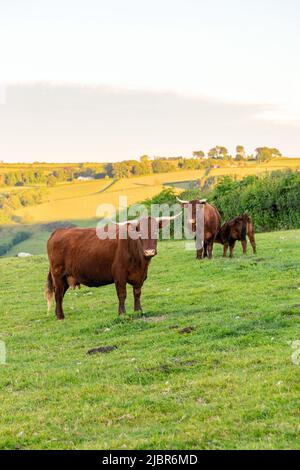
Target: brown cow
column 77, row 256
column 212, row 224
column 236, row 229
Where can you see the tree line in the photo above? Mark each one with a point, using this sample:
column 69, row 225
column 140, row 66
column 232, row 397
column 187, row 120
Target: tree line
column 13, row 200
column 128, row 168
column 261, row 154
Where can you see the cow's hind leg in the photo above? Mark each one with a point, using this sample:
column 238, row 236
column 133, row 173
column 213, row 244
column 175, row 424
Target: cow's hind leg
column 121, row 291
column 137, row 299
column 210, row 245
column 61, row 287
column 244, row 245
column 253, row 244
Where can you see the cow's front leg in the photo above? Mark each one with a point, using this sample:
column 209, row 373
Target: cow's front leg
column 137, row 299
column 231, row 248
column 121, row 291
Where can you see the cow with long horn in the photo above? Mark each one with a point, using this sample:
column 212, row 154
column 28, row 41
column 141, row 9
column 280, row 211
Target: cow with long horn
column 79, row 256
column 211, row 224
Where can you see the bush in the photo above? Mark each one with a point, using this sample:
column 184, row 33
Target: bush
column 273, row 201
column 20, row 237
column 166, row 196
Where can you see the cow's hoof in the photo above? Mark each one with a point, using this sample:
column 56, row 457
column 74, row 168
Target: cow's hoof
column 60, row 318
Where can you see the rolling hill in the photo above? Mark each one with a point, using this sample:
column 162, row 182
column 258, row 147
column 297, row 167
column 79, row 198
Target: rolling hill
column 232, row 382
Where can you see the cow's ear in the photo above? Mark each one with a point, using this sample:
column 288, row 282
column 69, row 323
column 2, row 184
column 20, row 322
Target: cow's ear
column 163, row 223
column 135, row 227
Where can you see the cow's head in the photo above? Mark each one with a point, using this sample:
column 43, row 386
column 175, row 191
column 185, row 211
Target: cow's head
column 192, row 206
column 146, row 232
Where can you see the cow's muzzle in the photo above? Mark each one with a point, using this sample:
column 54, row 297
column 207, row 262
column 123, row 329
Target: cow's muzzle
column 149, row 253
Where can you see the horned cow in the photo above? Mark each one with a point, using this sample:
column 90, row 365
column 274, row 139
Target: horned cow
column 212, row 224
column 77, row 256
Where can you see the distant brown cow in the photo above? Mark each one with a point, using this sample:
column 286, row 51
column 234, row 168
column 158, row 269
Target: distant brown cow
column 77, row 256
column 237, row 229
column 212, row 224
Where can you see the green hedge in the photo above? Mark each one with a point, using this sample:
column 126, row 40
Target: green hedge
column 272, row 200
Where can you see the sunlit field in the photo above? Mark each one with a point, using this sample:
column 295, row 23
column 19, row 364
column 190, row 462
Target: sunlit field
column 79, row 200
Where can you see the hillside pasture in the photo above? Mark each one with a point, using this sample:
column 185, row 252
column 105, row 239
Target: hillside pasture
column 80, row 200
column 230, row 383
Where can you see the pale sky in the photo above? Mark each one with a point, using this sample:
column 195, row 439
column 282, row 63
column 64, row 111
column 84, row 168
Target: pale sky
column 160, row 77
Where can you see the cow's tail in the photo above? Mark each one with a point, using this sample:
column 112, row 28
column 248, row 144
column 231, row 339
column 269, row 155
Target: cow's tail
column 49, row 290
column 250, row 228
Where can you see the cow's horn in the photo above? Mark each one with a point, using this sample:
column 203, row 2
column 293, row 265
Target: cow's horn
column 135, row 222
column 182, row 202
column 161, row 219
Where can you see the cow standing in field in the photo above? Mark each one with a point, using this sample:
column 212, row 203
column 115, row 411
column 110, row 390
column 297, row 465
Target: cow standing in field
column 78, row 256
column 212, row 224
column 237, row 229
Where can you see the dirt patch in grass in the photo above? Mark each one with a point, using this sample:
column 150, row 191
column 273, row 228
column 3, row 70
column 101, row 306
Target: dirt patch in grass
column 102, row 350
column 188, row 329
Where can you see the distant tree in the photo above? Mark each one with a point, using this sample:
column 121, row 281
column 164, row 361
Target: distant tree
column 276, row 152
column 264, row 154
column 160, row 165
column 198, row 154
column 222, row 152
column 213, row 153
column 240, row 152
column 218, row 152
column 191, row 164
column 145, row 167
column 108, row 168
column 51, row 180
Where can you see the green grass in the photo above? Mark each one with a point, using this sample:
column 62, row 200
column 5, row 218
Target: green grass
column 230, row 383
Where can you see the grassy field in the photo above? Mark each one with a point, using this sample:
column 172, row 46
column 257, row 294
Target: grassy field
column 230, row 383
